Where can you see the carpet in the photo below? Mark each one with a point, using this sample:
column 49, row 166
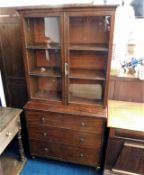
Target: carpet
column 51, row 167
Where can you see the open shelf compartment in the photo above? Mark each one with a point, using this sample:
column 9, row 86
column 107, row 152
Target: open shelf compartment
column 91, row 31
column 86, row 91
column 87, row 65
column 47, row 88
column 45, row 63
column 87, row 74
column 42, row 32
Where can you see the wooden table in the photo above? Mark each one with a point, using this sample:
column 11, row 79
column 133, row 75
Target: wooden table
column 10, row 126
column 125, row 150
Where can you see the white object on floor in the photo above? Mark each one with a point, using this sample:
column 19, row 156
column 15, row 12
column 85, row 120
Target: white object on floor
column 2, row 96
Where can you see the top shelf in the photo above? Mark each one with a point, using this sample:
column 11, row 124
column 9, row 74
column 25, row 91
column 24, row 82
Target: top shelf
column 77, row 47
column 54, row 46
column 89, row 47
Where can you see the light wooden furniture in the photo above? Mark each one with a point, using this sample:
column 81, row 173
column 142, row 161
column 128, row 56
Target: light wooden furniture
column 67, row 55
column 10, row 126
column 125, row 150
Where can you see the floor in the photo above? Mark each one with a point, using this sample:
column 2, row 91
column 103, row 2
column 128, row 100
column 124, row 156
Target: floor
column 50, row 167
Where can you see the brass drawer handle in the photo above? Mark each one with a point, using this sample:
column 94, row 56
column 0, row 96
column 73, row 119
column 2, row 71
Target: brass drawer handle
column 44, row 134
column 46, row 149
column 81, row 155
column 81, row 139
column 83, row 124
column 8, row 134
column 43, row 119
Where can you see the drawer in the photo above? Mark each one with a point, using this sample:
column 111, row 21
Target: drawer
column 8, row 134
column 129, row 134
column 74, row 122
column 65, row 136
column 65, row 152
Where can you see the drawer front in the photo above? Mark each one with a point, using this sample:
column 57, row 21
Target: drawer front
column 65, row 136
column 74, row 122
column 129, row 134
column 65, row 152
column 8, row 134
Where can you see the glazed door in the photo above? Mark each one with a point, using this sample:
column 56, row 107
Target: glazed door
column 87, row 56
column 44, row 55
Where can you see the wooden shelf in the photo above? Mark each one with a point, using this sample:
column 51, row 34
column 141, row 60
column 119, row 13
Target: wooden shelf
column 89, row 47
column 55, row 46
column 44, row 71
column 87, row 74
column 85, row 93
column 47, row 95
column 80, row 100
column 11, row 165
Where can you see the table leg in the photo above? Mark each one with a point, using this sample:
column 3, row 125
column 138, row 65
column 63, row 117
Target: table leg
column 20, row 144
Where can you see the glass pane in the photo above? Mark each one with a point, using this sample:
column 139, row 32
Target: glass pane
column 85, row 91
column 43, row 31
column 87, row 65
column 89, row 30
column 43, row 46
column 45, row 62
column 88, row 57
column 44, row 57
column 45, row 88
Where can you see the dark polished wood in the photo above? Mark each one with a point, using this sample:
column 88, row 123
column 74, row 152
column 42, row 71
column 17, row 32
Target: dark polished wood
column 11, row 64
column 126, row 89
column 67, row 80
column 20, row 144
column 54, row 125
column 65, row 153
column 74, row 122
column 89, row 52
column 66, row 136
column 74, row 109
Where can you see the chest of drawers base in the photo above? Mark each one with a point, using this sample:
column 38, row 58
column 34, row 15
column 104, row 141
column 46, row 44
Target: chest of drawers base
column 67, row 137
